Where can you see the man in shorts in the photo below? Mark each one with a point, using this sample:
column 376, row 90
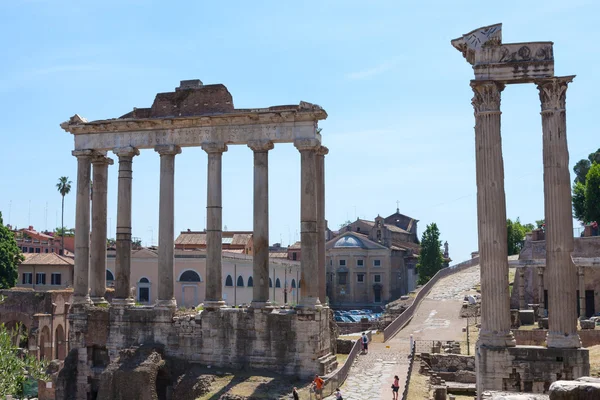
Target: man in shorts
column 318, row 383
column 365, row 342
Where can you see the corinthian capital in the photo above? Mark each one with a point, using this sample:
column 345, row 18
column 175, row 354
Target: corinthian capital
column 214, row 147
column 322, row 151
column 486, row 96
column 553, row 92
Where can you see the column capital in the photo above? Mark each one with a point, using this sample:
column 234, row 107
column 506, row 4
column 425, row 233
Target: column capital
column 126, row 152
column 486, row 96
column 553, row 92
column 100, row 159
column 261, row 145
column 214, row 147
column 84, row 153
column 307, row 144
column 322, row 151
column 167, row 149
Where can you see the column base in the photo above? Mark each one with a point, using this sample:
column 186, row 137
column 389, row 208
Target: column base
column 496, row 339
column 79, row 299
column 262, row 305
column 128, row 302
column 214, row 304
column 166, row 304
column 310, row 303
column 99, row 301
column 561, row 341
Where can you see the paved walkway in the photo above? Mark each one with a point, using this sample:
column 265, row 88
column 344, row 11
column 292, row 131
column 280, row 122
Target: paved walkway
column 437, row 318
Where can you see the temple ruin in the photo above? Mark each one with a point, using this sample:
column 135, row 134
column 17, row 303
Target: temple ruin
column 501, row 365
column 293, row 341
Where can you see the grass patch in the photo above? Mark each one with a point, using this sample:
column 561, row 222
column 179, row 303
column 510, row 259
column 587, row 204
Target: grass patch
column 418, row 389
column 594, row 360
column 341, row 358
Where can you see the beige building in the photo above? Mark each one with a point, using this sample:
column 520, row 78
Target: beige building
column 45, row 271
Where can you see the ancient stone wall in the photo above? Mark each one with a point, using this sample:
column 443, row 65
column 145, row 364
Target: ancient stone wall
column 538, row 337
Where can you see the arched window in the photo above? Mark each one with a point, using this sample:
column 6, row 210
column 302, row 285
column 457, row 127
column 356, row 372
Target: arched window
column 228, row 281
column 270, row 282
column 109, row 275
column 144, row 280
column 293, row 284
column 250, row 282
column 277, row 283
column 143, row 290
column 189, row 276
column 240, row 281
column 299, row 283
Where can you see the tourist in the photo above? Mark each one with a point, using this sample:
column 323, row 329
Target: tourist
column 318, row 386
column 395, row 387
column 365, row 343
column 295, row 394
column 338, row 394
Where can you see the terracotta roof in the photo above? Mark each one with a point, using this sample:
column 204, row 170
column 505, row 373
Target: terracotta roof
column 295, row 245
column 278, row 254
column 241, row 238
column 392, row 228
column 46, row 259
column 195, row 238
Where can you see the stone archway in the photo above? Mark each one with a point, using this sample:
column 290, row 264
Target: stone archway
column 60, row 346
column 45, row 344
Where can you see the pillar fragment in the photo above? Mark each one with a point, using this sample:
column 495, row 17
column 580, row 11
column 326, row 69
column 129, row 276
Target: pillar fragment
column 541, row 309
column 82, row 227
column 123, row 296
column 99, row 231
column 562, row 274
column 166, row 225
column 309, row 264
column 522, row 305
column 214, row 223
column 321, row 223
column 582, row 305
column 260, row 237
column 491, row 216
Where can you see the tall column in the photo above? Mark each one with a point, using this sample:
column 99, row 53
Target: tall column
column 522, row 305
column 123, row 243
column 260, row 237
column 98, row 244
column 321, row 225
column 541, row 311
column 82, row 228
column 166, row 225
column 562, row 274
column 491, row 216
column 308, row 223
column 214, row 223
column 581, row 276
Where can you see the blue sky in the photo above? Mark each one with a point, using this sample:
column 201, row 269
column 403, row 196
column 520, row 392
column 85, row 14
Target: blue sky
column 400, row 124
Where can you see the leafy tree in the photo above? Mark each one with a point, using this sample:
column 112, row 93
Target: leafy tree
column 16, row 367
column 592, row 193
column 583, row 166
column 10, row 256
column 540, row 223
column 64, row 231
column 516, row 235
column 346, row 223
column 64, row 187
column 431, row 258
column 579, row 207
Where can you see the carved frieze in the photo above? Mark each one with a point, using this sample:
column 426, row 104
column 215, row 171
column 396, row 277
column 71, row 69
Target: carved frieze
column 486, row 96
column 553, row 92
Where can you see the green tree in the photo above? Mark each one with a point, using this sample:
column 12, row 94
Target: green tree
column 516, row 235
column 592, row 193
column 64, row 187
column 16, row 367
column 431, row 258
column 10, row 256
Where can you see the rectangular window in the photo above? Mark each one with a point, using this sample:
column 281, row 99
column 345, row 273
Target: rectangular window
column 330, row 261
column 53, row 249
column 27, row 278
column 360, row 263
column 342, row 277
column 360, row 278
column 377, row 278
column 40, row 278
column 377, row 263
column 342, row 263
column 38, row 250
column 31, row 249
column 46, row 250
column 55, row 279
column 24, row 249
column 294, row 256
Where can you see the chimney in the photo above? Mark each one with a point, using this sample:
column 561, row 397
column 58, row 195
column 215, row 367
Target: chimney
column 30, row 227
column 189, row 84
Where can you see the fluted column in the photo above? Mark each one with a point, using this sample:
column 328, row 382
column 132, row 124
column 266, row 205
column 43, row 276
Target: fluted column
column 522, row 305
column 540, row 271
column 562, row 274
column 82, row 227
column 309, row 263
column 123, row 240
column 491, row 216
column 321, row 224
column 260, row 237
column 214, row 223
column 166, row 225
column 581, row 277
column 98, row 243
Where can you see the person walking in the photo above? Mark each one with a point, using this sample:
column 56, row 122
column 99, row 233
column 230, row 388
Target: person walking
column 365, row 343
column 295, row 394
column 318, row 383
column 395, row 387
column 338, row 394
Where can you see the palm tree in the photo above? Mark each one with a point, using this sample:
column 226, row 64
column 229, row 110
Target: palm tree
column 64, row 187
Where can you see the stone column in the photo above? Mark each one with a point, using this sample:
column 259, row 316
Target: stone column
column 562, row 274
column 123, row 242
column 214, row 223
column 491, row 216
column 321, row 225
column 82, row 228
column 308, row 224
column 522, row 305
column 260, row 237
column 98, row 244
column 540, row 271
column 166, row 225
column 581, row 276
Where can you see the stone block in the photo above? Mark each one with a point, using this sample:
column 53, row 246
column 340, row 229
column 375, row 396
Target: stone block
column 543, row 323
column 587, row 324
column 527, row 317
column 515, row 320
column 574, row 390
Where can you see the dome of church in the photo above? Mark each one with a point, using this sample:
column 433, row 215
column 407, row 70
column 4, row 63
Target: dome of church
column 348, row 241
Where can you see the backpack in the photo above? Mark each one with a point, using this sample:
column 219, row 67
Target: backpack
column 365, row 339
